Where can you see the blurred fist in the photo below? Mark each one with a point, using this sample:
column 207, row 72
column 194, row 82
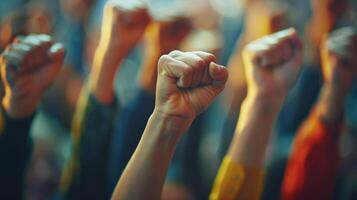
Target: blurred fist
column 272, row 63
column 167, row 36
column 187, row 83
column 123, row 25
column 28, row 67
column 339, row 58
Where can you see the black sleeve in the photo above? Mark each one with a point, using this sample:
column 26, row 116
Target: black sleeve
column 15, row 150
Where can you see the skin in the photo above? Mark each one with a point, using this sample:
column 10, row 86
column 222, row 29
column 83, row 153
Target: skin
column 161, row 38
column 118, row 37
column 270, row 21
column 187, row 84
column 28, row 67
column 272, row 65
column 339, row 67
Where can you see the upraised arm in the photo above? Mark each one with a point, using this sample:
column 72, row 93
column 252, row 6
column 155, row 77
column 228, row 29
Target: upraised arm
column 272, row 65
column 187, row 84
column 312, row 167
column 28, row 67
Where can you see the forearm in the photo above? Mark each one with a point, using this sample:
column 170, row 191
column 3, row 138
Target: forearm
column 91, row 130
column 254, row 127
column 331, row 103
column 103, row 72
column 145, row 173
column 148, row 74
column 241, row 174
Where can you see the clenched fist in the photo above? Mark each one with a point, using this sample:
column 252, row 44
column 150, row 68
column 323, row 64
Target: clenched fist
column 28, row 67
column 272, row 63
column 187, row 83
column 339, row 58
column 123, row 24
column 168, row 35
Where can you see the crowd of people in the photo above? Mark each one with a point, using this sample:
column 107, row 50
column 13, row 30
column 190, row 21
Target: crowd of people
column 178, row 99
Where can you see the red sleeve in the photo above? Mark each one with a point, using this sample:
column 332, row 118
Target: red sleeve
column 311, row 170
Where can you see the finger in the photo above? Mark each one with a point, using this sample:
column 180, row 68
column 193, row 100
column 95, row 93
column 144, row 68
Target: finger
column 255, row 51
column 198, row 66
column 21, row 50
column 219, row 75
column 208, row 58
column 12, row 60
column 37, row 56
column 176, row 71
column 289, row 33
column 56, row 52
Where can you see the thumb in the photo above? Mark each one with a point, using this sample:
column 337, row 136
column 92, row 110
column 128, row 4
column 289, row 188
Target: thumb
column 219, row 75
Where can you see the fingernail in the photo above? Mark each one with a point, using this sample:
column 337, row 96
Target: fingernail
column 218, row 68
column 56, row 48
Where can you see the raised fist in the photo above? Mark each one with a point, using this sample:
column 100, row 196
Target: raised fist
column 187, row 83
column 123, row 24
column 168, row 35
column 339, row 58
column 272, row 63
column 28, row 67
column 161, row 38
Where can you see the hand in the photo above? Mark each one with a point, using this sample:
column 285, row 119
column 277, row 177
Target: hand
column 161, row 38
column 339, row 59
column 187, row 83
column 28, row 68
column 123, row 26
column 272, row 64
column 168, row 35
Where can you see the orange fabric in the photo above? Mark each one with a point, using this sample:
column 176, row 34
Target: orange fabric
column 312, row 168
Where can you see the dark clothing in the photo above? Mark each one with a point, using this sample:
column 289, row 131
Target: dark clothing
column 129, row 128
column 15, row 150
column 86, row 174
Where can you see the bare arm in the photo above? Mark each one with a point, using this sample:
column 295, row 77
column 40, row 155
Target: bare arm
column 187, row 84
column 272, row 64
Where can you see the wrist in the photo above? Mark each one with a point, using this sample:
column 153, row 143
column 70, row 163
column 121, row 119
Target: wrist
column 19, row 108
column 170, row 128
column 266, row 102
column 331, row 103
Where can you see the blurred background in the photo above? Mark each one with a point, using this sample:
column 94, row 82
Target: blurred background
column 221, row 27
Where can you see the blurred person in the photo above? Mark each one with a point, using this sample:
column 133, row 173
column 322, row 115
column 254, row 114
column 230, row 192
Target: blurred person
column 311, row 171
column 162, row 35
column 272, row 65
column 305, row 93
column 28, row 67
column 85, row 175
column 187, row 84
column 73, row 30
column 271, row 19
column 12, row 25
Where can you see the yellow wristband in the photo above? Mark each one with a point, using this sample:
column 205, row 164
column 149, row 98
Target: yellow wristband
column 236, row 181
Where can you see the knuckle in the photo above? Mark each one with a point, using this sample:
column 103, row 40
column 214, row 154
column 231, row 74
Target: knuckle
column 163, row 60
column 175, row 53
column 187, row 71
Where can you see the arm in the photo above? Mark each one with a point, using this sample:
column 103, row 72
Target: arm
column 187, row 84
column 28, row 67
column 268, row 81
column 85, row 176
column 312, row 168
column 15, row 151
column 160, row 38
